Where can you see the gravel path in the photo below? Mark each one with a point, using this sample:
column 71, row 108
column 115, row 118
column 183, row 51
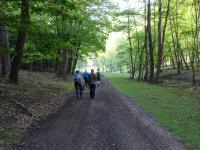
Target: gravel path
column 110, row 122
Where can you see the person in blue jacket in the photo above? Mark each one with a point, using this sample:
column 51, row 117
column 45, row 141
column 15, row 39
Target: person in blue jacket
column 86, row 75
column 78, row 84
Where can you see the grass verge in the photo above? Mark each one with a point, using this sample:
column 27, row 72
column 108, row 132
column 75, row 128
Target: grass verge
column 12, row 136
column 176, row 108
column 68, row 86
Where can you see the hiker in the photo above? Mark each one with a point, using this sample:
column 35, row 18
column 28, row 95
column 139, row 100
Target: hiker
column 92, row 83
column 85, row 75
column 78, row 84
column 98, row 77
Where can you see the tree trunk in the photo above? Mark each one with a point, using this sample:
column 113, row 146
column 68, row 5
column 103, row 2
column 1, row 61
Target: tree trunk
column 76, row 57
column 74, row 65
column 160, row 50
column 4, row 46
column 6, row 65
column 140, row 65
column 69, row 64
column 173, row 63
column 154, row 24
column 130, row 49
column 176, row 52
column 184, row 60
column 146, row 45
column 16, row 62
column 197, row 29
column 65, row 63
column 151, row 49
column 59, row 63
column 192, row 66
column 161, row 38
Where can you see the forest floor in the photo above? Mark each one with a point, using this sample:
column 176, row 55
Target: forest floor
column 36, row 96
column 170, row 77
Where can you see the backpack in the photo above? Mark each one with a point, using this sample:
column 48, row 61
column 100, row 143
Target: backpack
column 98, row 75
column 77, row 79
column 92, row 79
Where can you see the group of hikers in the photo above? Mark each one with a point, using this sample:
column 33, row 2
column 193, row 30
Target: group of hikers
column 90, row 79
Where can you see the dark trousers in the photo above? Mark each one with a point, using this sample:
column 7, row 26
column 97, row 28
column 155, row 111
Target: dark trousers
column 92, row 90
column 78, row 88
column 86, row 80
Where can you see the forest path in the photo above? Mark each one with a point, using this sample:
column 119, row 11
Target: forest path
column 110, row 122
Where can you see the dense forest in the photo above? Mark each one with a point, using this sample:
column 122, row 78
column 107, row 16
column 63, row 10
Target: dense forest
column 158, row 35
column 53, row 35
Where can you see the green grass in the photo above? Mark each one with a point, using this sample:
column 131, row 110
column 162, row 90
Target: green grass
column 12, row 136
column 176, row 108
column 67, row 86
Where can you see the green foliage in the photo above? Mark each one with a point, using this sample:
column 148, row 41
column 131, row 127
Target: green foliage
column 60, row 24
column 181, row 44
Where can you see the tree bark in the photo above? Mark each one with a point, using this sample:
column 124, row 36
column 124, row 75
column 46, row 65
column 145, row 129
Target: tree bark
column 160, row 50
column 146, row 45
column 59, row 69
column 140, row 54
column 192, row 66
column 184, row 61
column 70, row 60
column 65, row 63
column 176, row 52
column 16, row 62
column 196, row 30
column 130, row 48
column 4, row 46
column 76, row 57
column 161, row 38
column 173, row 63
column 151, row 49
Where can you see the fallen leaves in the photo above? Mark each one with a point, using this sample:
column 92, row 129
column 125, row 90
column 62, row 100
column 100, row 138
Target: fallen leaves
column 34, row 98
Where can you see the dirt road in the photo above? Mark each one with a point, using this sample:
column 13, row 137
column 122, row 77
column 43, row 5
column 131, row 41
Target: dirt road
column 110, row 122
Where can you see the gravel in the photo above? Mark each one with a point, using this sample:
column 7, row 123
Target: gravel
column 110, row 122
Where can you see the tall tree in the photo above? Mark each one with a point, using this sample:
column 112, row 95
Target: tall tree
column 161, row 37
column 131, row 47
column 146, row 44
column 24, row 25
column 151, row 48
column 4, row 53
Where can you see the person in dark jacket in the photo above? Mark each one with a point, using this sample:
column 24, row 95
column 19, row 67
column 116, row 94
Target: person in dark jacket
column 98, row 77
column 92, row 79
column 78, row 84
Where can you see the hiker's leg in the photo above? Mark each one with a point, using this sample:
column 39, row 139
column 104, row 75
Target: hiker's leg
column 94, row 91
column 80, row 89
column 85, row 80
column 90, row 91
column 77, row 91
